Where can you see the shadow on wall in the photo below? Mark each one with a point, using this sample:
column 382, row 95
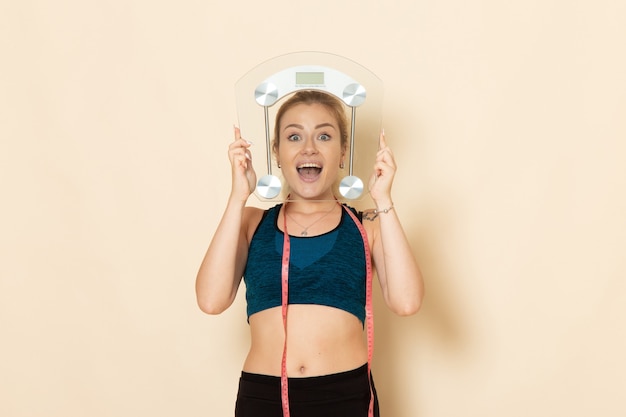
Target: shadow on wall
column 401, row 341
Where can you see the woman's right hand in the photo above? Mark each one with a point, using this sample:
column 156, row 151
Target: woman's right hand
column 243, row 175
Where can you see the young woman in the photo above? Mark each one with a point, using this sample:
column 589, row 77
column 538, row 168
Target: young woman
column 327, row 353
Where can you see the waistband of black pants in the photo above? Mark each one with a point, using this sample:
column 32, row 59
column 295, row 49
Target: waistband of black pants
column 336, row 377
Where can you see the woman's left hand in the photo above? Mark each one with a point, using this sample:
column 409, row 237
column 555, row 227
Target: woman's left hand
column 384, row 171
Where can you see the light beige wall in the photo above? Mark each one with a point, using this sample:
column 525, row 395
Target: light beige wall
column 507, row 119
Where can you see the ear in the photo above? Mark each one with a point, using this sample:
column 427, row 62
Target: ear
column 275, row 149
column 275, row 145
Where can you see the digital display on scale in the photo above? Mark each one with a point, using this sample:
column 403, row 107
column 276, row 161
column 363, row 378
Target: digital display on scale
column 309, row 78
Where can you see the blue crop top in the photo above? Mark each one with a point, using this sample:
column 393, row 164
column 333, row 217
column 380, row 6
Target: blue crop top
column 328, row 269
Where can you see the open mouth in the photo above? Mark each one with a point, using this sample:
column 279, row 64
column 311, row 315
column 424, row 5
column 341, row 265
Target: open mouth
column 309, row 171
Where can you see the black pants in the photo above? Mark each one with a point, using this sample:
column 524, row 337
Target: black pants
column 346, row 394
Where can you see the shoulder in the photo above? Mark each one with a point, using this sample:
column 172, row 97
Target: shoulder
column 252, row 217
column 365, row 216
column 252, row 214
column 369, row 222
column 357, row 213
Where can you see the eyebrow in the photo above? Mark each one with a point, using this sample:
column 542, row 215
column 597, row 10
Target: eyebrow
column 316, row 127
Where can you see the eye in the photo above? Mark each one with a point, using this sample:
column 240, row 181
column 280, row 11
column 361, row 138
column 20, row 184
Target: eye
column 324, row 137
column 294, row 137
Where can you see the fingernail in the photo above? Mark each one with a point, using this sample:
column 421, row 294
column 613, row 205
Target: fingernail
column 248, row 142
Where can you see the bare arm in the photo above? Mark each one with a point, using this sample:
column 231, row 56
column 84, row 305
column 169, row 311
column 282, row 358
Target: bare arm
column 398, row 273
column 222, row 267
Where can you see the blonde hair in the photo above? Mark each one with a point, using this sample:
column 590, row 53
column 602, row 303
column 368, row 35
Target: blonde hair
column 309, row 97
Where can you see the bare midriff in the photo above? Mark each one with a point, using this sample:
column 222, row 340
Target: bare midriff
column 321, row 341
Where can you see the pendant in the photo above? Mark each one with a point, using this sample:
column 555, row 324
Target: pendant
column 304, row 233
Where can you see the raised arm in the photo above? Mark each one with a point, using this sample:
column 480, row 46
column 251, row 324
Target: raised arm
column 222, row 267
column 398, row 273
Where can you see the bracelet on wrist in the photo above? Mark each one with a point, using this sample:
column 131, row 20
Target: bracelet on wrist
column 371, row 215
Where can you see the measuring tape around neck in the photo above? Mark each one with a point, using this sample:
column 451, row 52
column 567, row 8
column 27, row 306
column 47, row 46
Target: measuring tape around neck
column 369, row 311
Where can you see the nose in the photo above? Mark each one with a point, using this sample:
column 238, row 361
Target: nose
column 310, row 146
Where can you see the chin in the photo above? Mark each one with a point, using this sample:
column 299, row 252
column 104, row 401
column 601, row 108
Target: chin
column 312, row 193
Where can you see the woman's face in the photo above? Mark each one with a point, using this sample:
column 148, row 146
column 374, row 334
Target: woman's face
column 310, row 150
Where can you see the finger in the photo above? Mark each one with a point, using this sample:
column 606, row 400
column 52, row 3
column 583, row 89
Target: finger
column 241, row 156
column 238, row 138
column 384, row 165
column 379, row 168
column 383, row 147
column 385, row 154
column 239, row 144
column 382, row 142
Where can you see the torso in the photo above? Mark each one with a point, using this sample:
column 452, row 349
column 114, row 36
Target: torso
column 322, row 340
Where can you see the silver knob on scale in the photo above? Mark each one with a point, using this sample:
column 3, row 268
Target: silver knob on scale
column 351, row 187
column 269, row 185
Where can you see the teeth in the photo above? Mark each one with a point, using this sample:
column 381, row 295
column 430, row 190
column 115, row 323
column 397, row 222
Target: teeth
column 309, row 165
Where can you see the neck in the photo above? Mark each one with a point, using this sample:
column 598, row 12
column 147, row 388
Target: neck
column 307, row 206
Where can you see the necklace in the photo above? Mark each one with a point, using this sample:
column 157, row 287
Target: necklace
column 306, row 228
